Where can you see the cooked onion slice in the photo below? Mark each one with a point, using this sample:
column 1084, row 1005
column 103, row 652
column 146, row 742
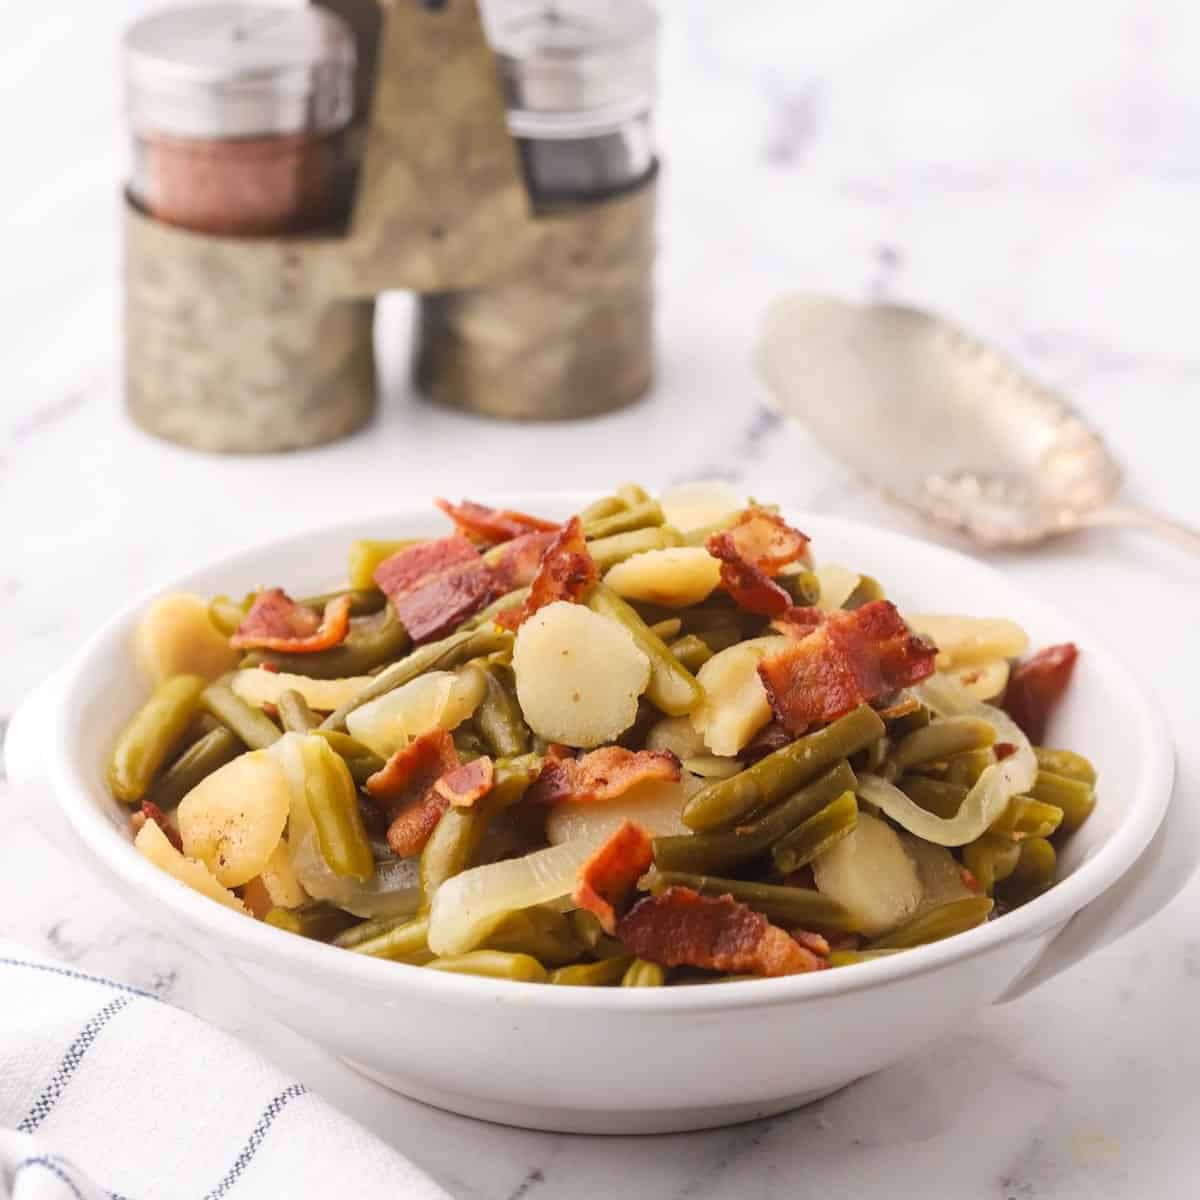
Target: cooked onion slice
column 435, row 700
column 837, row 586
column 962, row 640
column 258, row 687
column 701, row 503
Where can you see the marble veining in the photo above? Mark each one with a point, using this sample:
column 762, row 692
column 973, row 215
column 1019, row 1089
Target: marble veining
column 1032, row 170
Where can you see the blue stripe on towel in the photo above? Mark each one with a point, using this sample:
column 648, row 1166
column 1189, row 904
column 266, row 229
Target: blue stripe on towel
column 70, row 1064
column 256, row 1138
column 53, row 1168
column 52, row 970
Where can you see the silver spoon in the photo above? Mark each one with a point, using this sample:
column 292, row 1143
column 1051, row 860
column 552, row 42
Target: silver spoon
column 943, row 423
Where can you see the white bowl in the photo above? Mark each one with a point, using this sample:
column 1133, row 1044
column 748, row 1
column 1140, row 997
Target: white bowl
column 642, row 1060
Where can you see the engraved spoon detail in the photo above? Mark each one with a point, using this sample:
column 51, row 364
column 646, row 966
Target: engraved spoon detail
column 943, row 423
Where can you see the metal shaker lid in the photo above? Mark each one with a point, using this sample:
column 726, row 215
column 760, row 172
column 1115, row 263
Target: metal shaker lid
column 573, row 66
column 239, row 70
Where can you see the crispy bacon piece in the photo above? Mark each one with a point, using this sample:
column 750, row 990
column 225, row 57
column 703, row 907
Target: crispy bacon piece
column 1037, row 685
column 435, row 585
column 853, row 658
column 489, row 526
column 679, row 927
column 607, row 879
column 798, row 622
column 517, row 562
column 465, row 784
column 404, row 789
column 815, row 942
column 565, row 573
column 753, row 550
column 151, row 812
column 600, row 774
column 276, row 622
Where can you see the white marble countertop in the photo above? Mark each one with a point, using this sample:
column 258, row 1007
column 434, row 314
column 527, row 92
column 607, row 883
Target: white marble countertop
column 1030, row 168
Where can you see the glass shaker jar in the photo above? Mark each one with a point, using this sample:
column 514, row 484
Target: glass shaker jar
column 239, row 116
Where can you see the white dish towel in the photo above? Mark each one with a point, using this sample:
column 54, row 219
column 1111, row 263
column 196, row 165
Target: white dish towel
column 108, row 1093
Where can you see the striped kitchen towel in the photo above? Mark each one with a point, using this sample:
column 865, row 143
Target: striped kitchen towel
column 108, row 1093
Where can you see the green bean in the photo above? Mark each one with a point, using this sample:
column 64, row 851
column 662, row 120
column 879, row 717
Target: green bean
column 452, row 651
column 604, row 507
column 332, row 801
column 955, row 916
column 941, row 739
column 197, row 762
column 966, row 768
column 1073, row 796
column 935, row 795
column 1034, row 872
column 900, row 727
column 1066, row 763
column 226, row 614
column 668, row 627
column 873, row 759
column 867, row 590
column 294, row 714
column 365, row 931
column 498, row 717
column 508, row 600
column 366, row 555
column 691, row 652
column 727, row 801
column 250, row 724
column 541, row 932
column 363, row 600
column 991, row 859
column 607, row 552
column 803, row 587
column 672, row 687
column 348, row 747
column 492, row 964
column 792, row 907
column 608, row 972
column 847, row 958
column 589, row 931
column 1028, row 817
column 155, row 730
column 641, row 973
column 814, row 836
column 713, row 853
column 720, row 637
column 639, row 516
column 321, row 922
column 408, row 942
column 371, row 642
column 457, row 836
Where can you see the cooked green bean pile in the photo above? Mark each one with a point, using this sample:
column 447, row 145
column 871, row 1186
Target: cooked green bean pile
column 654, row 745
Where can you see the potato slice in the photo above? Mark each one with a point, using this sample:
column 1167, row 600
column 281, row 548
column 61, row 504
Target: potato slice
column 435, row 700
column 735, row 705
column 152, row 843
column 654, row 804
column 676, row 734
column 233, row 819
column 674, row 578
column 939, row 872
column 175, row 637
column 579, row 675
column 963, row 641
column 280, row 879
column 870, row 873
column 259, row 687
column 982, row 681
column 700, row 503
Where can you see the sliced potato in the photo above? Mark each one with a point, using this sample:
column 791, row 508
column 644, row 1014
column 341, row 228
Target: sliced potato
column 281, row 881
column 676, row 734
column 674, row 578
column 735, row 705
column 152, row 843
column 579, row 675
column 701, row 503
column 837, row 586
column 982, row 681
column 870, row 873
column 939, row 872
column 175, row 637
column 654, row 804
column 436, row 700
column 259, row 687
column 963, row 641
column 233, row 819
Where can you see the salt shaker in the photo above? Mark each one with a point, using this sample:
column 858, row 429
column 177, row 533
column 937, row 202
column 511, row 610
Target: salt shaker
column 239, row 117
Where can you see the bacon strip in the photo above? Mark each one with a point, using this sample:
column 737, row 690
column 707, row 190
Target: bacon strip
column 1037, row 685
column 516, row 562
column 753, row 550
column 680, row 927
column 436, row 585
column 566, row 572
column 404, row 789
column 608, row 878
column 488, row 526
column 853, row 658
column 600, row 774
column 276, row 622
column 463, row 785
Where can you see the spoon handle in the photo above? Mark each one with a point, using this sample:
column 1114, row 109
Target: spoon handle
column 1166, row 527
